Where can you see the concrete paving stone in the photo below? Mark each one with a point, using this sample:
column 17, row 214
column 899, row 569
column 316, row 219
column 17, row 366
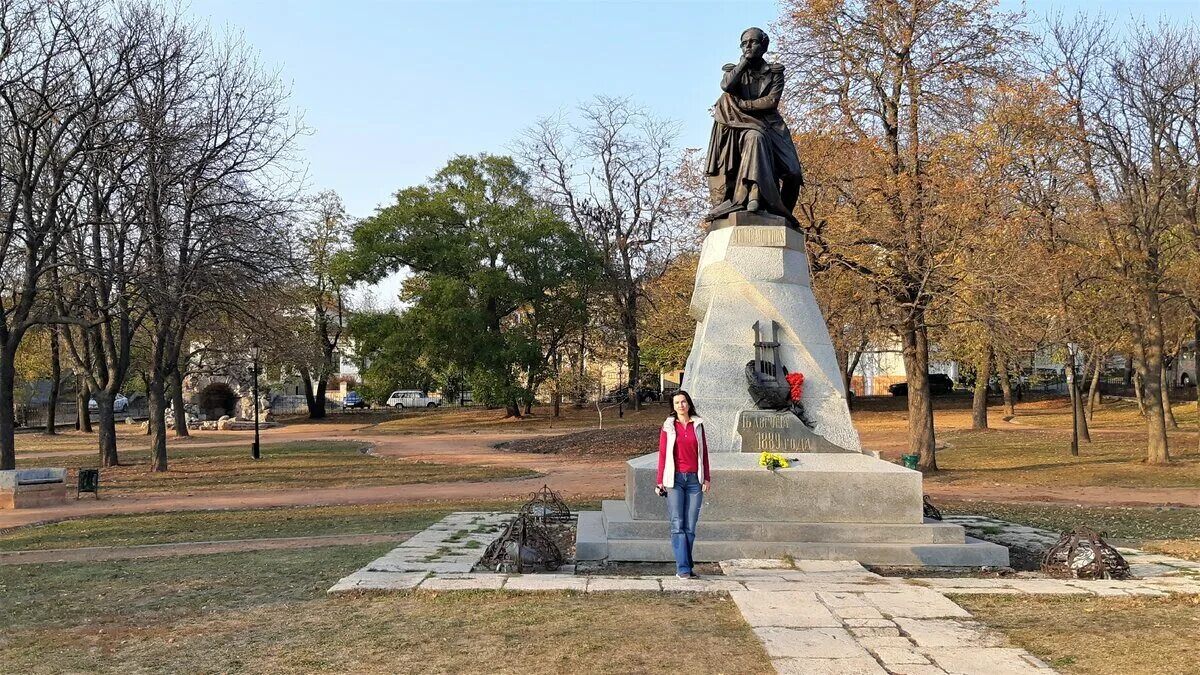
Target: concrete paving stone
column 948, row 633
column 855, row 666
column 1147, row 592
column 809, row 643
column 869, row 623
column 754, row 564
column 770, row 585
column 843, row 566
column 1044, row 587
column 792, row 609
column 372, row 581
column 601, row 584
column 705, row 585
column 862, row 587
column 890, row 642
column 981, row 591
column 916, row 603
column 940, row 583
column 891, row 657
column 1178, row 584
column 463, row 582
column 435, row 567
column 986, row 661
column 914, row 669
column 864, row 612
column 835, row 599
column 1150, row 570
column 545, row 582
column 874, row 631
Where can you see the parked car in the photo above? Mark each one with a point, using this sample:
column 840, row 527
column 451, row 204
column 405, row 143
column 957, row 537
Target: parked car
column 120, row 404
column 939, row 384
column 621, row 394
column 353, row 400
column 413, row 398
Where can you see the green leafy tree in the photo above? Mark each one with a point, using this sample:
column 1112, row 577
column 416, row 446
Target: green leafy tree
column 494, row 287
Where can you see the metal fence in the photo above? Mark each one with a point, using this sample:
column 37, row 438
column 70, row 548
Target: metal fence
column 66, row 413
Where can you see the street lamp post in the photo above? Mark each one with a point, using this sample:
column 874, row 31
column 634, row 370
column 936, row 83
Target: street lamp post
column 254, row 353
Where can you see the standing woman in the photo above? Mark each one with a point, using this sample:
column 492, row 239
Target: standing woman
column 683, row 476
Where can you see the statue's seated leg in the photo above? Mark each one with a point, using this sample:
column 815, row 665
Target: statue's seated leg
column 789, row 191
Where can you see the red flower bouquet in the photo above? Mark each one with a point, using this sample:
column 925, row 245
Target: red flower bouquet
column 796, row 380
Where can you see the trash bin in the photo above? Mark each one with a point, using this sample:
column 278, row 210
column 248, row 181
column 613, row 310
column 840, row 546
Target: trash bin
column 89, row 481
column 910, row 461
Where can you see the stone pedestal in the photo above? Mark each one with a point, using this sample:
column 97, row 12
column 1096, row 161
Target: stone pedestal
column 750, row 273
column 824, row 506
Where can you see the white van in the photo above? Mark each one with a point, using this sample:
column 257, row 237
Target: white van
column 412, row 398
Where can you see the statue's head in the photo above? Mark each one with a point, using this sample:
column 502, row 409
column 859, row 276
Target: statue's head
column 754, row 43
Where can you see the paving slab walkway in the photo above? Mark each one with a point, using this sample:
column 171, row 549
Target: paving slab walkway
column 812, row 616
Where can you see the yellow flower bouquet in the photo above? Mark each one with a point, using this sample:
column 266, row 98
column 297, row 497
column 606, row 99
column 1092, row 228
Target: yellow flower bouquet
column 772, row 461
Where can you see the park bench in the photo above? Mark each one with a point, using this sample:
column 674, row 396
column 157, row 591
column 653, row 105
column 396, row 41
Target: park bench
column 30, row 488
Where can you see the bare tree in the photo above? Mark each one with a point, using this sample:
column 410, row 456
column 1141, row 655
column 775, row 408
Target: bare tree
column 63, row 66
column 613, row 176
column 217, row 134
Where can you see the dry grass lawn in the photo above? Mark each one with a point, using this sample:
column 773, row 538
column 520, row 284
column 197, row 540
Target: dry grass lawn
column 294, row 465
column 189, row 526
column 1099, row 636
column 268, row 612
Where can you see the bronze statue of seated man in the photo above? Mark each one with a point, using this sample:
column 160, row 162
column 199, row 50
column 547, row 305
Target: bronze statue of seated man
column 751, row 156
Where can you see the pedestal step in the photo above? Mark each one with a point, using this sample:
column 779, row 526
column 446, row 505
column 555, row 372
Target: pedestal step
column 595, row 542
column 619, row 524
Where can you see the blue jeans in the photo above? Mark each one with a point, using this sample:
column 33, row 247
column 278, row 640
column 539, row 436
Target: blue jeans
column 683, row 507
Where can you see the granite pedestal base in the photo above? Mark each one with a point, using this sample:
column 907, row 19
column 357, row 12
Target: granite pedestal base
column 823, row 507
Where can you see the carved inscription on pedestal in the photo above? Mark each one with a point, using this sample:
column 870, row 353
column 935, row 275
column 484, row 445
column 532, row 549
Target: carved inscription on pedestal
column 779, row 432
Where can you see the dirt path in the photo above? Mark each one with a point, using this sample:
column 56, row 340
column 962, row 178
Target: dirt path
column 578, row 478
column 100, row 553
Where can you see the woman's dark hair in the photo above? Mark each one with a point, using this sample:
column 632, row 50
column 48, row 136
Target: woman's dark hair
column 691, row 406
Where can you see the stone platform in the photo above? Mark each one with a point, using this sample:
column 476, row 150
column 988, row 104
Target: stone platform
column 823, row 507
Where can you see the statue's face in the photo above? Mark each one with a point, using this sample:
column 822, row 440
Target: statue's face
column 754, row 44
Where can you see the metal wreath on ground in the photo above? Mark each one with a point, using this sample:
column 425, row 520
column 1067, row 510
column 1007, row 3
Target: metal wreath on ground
column 1083, row 554
column 525, row 546
column 547, row 506
column 929, row 510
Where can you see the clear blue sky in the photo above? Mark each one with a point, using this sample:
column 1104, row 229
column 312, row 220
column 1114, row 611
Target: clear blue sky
column 392, row 90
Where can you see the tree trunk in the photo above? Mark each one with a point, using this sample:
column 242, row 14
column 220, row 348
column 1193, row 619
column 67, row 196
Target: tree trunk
column 158, row 422
column 1148, row 345
column 1139, row 394
column 983, row 373
column 1093, row 397
column 1079, row 429
column 83, row 416
column 512, row 408
column 1006, row 389
column 1130, row 369
column 177, row 405
column 108, row 428
column 632, row 349
column 1168, row 414
column 557, row 383
column 921, row 439
column 316, row 408
column 313, row 398
column 8, row 448
column 55, row 383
